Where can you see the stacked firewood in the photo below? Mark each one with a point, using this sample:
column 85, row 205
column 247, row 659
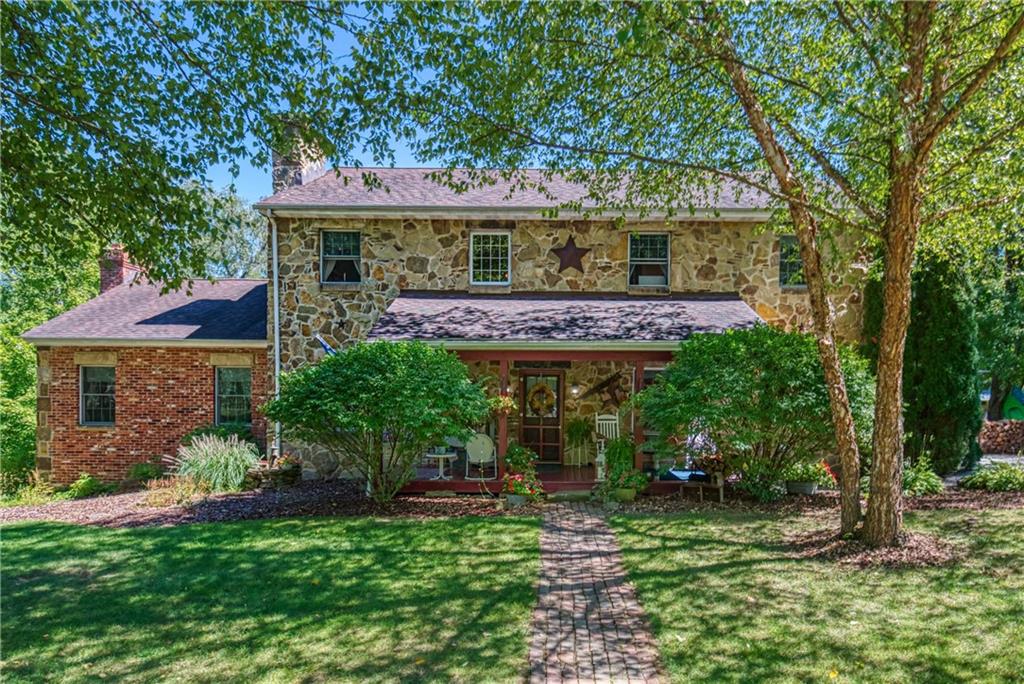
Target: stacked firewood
column 1002, row 437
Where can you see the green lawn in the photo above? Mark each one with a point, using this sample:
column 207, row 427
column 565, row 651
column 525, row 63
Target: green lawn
column 311, row 600
column 728, row 605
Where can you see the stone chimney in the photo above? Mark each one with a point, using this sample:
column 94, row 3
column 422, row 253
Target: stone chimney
column 116, row 268
column 304, row 164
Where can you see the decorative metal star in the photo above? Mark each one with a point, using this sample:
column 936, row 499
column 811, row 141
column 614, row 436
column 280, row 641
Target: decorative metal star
column 570, row 256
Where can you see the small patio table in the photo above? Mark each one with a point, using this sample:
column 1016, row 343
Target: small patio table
column 441, row 458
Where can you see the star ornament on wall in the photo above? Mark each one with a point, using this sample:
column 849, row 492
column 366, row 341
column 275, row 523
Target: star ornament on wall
column 570, row 256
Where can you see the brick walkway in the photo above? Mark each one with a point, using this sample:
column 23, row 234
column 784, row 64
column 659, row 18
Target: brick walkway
column 587, row 625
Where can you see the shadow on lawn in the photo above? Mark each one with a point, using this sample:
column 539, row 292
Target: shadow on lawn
column 728, row 602
column 357, row 599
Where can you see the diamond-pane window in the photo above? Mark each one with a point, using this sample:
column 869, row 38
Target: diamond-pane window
column 490, row 258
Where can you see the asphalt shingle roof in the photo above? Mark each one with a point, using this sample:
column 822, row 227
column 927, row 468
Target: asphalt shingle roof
column 558, row 318
column 225, row 310
column 413, row 188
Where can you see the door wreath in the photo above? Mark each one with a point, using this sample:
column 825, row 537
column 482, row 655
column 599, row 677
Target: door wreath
column 541, row 399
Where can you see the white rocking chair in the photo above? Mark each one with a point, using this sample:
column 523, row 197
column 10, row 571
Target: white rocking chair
column 607, row 429
column 480, row 453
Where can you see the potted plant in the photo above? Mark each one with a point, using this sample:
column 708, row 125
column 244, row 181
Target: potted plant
column 578, row 434
column 806, row 478
column 623, row 480
column 521, row 481
column 625, row 483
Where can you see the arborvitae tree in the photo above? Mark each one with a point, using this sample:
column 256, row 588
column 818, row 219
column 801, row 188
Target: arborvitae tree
column 941, row 364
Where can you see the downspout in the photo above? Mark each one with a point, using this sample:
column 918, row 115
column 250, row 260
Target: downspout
column 276, row 449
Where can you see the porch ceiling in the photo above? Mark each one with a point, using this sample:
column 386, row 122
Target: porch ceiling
column 532, row 321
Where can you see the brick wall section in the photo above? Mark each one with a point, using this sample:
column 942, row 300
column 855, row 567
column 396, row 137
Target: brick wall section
column 161, row 394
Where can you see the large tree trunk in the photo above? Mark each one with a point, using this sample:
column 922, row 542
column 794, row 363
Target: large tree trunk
column 884, row 518
column 822, row 312
column 1000, row 389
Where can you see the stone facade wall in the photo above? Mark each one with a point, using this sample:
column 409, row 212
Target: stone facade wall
column 160, row 395
column 423, row 254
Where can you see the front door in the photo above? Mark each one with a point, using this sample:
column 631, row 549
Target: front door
column 540, row 425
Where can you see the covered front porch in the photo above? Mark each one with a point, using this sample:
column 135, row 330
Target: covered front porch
column 566, row 362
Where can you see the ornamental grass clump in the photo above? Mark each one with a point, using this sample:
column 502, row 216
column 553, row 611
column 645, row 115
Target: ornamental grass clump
column 219, row 462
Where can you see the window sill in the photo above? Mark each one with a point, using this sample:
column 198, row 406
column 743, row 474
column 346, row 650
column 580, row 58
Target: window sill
column 342, row 287
column 793, row 289
column 490, row 289
column 649, row 290
column 96, row 428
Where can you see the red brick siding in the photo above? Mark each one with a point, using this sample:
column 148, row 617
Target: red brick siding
column 160, row 395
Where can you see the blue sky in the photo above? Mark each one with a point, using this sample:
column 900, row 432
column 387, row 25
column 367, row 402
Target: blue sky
column 253, row 183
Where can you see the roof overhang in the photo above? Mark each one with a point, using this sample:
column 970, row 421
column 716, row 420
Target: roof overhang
column 556, row 345
column 128, row 342
column 501, row 213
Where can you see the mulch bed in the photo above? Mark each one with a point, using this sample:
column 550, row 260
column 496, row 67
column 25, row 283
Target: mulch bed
column 951, row 499
column 914, row 550
column 316, row 498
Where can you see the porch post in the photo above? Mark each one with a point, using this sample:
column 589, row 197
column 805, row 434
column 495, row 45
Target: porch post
column 502, row 417
column 638, row 430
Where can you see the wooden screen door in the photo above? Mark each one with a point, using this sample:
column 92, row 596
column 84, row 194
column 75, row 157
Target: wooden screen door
column 540, row 425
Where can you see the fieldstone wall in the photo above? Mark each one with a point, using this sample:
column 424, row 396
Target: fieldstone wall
column 425, row 254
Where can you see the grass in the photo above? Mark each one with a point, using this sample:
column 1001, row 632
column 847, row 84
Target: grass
column 354, row 599
column 728, row 604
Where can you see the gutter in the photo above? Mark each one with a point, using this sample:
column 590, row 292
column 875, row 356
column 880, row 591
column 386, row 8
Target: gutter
column 309, row 210
column 42, row 341
column 276, row 449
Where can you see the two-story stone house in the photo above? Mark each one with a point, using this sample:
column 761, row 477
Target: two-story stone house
column 569, row 316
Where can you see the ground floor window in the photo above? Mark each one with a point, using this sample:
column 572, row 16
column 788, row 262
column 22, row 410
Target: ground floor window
column 234, row 396
column 96, row 400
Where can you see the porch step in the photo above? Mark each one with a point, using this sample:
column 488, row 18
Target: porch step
column 567, row 495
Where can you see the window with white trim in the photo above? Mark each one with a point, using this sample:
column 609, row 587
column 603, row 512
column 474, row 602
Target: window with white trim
column 648, row 260
column 490, row 258
column 96, row 395
column 234, row 396
column 340, row 257
column 791, row 266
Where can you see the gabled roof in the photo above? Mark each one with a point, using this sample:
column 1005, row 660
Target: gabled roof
column 525, row 320
column 412, row 189
column 228, row 311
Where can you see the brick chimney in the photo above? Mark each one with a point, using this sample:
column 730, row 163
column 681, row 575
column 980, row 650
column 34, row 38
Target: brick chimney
column 116, row 268
column 304, row 164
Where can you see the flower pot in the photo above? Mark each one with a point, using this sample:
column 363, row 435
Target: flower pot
column 806, row 488
column 516, row 500
column 624, row 494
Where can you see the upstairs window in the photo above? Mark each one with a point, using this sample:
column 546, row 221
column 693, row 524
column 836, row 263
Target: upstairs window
column 340, row 256
column 648, row 260
column 96, row 395
column 791, row 266
column 234, row 396
column 490, row 258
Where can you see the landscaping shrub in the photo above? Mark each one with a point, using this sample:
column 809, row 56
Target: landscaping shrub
column 17, row 444
column 920, row 478
column 87, row 485
column 941, row 363
column 1000, row 477
column 242, row 432
column 218, row 462
column 175, row 490
column 33, row 492
column 819, row 473
column 144, row 472
column 621, row 473
column 377, row 407
column 759, row 397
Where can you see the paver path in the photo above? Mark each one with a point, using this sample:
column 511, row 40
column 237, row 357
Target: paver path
column 587, row 625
